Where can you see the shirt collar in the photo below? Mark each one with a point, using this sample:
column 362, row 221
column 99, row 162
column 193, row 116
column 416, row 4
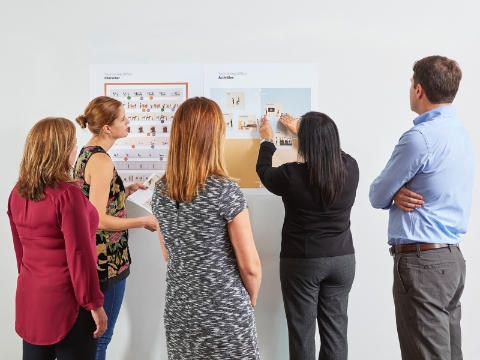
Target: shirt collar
column 434, row 113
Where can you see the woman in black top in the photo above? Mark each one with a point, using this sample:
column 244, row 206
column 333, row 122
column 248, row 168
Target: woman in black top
column 317, row 261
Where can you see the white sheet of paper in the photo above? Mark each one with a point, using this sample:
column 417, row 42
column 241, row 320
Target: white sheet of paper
column 143, row 198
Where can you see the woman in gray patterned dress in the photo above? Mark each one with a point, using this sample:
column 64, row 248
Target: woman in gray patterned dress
column 213, row 273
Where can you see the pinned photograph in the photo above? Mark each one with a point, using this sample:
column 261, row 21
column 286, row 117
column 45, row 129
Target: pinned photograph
column 247, row 123
column 235, row 100
column 282, row 141
column 273, row 110
column 228, row 117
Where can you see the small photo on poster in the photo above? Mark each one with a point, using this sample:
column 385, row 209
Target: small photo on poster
column 273, row 110
column 282, row 138
column 154, row 130
column 134, row 116
column 247, row 123
column 228, row 117
column 235, row 100
column 282, row 141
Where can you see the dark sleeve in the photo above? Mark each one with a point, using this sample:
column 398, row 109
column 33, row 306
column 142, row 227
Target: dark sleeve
column 74, row 217
column 272, row 178
column 353, row 171
column 17, row 244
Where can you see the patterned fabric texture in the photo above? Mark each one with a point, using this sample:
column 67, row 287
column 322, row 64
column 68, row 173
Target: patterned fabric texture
column 208, row 314
column 112, row 246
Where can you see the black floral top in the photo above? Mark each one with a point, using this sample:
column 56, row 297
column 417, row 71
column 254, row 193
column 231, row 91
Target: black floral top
column 112, row 246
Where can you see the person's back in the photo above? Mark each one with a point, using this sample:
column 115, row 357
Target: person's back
column 310, row 230
column 213, row 272
column 317, row 258
column 198, row 229
column 44, row 271
column 442, row 173
column 445, row 179
column 427, row 185
column 58, row 300
column 204, row 287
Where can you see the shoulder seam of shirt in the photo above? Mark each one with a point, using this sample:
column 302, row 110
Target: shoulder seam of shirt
column 424, row 139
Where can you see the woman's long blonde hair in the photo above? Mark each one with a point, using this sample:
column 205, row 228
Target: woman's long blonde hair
column 45, row 161
column 196, row 148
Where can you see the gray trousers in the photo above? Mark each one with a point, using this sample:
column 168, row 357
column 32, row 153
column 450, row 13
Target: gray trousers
column 316, row 291
column 426, row 290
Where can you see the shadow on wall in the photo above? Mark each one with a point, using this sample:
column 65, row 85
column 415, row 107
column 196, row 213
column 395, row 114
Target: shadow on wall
column 145, row 294
column 266, row 218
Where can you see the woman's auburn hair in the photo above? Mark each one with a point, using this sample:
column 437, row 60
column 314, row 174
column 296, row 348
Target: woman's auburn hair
column 45, row 160
column 196, row 149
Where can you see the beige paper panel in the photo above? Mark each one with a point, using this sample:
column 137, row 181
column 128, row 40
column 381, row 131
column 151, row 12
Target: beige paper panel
column 241, row 158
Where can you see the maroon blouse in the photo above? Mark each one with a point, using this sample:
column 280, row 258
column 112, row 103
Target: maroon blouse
column 54, row 241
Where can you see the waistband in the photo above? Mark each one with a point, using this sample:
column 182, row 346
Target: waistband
column 418, row 247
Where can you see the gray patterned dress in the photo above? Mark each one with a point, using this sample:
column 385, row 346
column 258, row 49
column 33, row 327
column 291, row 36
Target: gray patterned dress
column 208, row 314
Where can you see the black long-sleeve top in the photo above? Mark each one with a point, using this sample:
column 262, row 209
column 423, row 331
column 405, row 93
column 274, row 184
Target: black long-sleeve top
column 309, row 231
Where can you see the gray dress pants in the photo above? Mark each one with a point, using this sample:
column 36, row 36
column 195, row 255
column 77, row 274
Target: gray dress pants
column 427, row 287
column 316, row 291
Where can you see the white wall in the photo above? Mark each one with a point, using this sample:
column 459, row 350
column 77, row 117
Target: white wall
column 365, row 51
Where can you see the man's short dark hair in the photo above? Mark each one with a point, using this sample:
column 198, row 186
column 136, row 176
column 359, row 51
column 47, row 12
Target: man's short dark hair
column 439, row 77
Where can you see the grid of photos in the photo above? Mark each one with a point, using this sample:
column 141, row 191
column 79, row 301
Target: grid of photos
column 242, row 109
column 150, row 107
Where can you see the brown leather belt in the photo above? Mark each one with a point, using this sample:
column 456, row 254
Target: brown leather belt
column 416, row 247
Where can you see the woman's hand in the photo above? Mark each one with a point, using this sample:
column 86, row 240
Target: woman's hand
column 290, row 123
column 265, row 129
column 101, row 320
column 130, row 189
column 150, row 223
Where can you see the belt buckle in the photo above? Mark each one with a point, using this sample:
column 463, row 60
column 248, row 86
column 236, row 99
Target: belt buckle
column 392, row 250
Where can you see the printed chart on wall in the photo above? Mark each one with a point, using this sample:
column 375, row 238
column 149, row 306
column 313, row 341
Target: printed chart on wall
column 247, row 92
column 150, row 94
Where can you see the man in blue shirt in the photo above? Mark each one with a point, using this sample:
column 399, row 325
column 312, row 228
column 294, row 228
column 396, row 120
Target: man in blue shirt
column 427, row 186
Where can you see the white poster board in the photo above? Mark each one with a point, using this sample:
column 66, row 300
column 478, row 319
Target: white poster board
column 151, row 94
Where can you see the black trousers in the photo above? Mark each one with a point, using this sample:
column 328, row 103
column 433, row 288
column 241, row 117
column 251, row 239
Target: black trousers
column 427, row 287
column 316, row 291
column 79, row 344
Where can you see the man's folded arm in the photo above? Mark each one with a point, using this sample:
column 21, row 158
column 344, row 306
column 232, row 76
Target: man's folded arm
column 409, row 157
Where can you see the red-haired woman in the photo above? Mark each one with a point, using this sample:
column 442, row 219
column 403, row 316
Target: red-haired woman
column 213, row 273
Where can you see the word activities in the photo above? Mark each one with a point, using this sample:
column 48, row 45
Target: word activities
column 150, row 107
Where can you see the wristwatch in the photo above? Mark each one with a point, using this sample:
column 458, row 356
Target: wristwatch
column 266, row 139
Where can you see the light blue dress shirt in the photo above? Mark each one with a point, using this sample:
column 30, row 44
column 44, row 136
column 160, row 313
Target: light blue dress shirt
column 436, row 160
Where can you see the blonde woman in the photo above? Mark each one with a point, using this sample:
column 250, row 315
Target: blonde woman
column 95, row 171
column 59, row 311
column 213, row 273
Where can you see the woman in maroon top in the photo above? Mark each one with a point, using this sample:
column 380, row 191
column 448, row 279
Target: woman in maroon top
column 59, row 311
